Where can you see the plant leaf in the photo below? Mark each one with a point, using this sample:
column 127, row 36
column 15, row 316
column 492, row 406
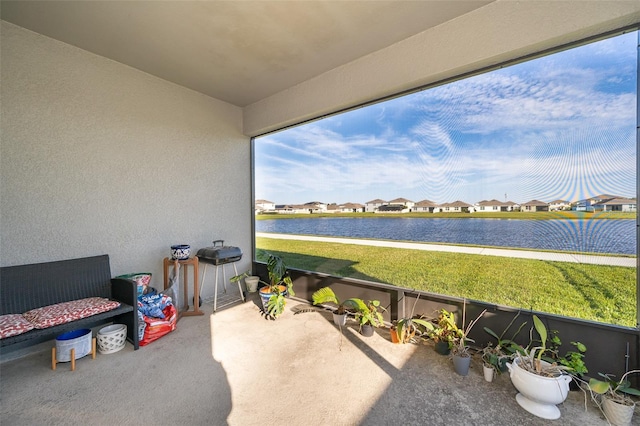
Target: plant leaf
column 598, row 386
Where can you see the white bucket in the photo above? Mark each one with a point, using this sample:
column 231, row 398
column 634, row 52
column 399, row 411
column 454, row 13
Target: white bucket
column 112, row 338
column 80, row 340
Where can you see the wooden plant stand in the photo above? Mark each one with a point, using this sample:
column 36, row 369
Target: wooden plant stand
column 73, row 355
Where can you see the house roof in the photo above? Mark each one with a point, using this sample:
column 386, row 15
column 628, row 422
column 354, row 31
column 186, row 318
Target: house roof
column 535, row 203
column 376, row 201
column 493, row 202
column 400, row 200
column 235, row 51
column 602, row 197
column 426, row 203
column 559, row 202
column 457, row 203
column 620, row 201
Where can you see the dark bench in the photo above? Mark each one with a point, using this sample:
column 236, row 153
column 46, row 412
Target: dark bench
column 27, row 287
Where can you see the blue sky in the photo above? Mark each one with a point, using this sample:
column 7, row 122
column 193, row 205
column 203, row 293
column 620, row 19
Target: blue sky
column 558, row 127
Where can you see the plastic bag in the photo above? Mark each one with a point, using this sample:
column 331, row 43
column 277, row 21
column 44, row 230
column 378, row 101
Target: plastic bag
column 156, row 328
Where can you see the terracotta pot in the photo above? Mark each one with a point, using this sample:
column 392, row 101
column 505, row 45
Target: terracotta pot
column 394, row 335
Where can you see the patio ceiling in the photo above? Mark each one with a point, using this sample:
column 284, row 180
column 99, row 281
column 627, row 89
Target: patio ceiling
column 236, row 51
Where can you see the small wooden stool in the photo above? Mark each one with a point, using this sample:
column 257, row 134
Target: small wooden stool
column 193, row 261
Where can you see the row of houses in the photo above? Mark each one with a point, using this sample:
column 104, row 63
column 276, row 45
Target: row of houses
column 603, row 202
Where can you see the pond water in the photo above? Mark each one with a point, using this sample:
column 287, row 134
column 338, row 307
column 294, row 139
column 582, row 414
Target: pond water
column 592, row 236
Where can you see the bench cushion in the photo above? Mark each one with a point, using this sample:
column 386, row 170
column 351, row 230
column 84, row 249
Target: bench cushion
column 60, row 313
column 13, row 324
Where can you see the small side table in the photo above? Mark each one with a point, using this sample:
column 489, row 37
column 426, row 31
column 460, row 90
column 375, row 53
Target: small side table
column 193, row 261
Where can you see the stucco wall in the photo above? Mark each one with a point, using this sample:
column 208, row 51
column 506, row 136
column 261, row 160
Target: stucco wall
column 97, row 157
column 498, row 32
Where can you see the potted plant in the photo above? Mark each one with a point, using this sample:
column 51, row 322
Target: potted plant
column 326, row 295
column 460, row 348
column 367, row 314
column 492, row 357
column 616, row 405
column 405, row 329
column 251, row 281
column 496, row 356
column 273, row 294
column 444, row 332
column 541, row 385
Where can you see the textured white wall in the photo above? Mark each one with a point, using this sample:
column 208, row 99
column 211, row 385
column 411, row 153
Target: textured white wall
column 97, row 157
column 500, row 31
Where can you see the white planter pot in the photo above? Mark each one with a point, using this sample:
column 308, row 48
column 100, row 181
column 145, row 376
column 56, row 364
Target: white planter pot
column 617, row 414
column 340, row 319
column 539, row 395
column 252, row 283
column 488, row 373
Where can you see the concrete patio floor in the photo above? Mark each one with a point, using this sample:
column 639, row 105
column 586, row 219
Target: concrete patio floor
column 235, row 367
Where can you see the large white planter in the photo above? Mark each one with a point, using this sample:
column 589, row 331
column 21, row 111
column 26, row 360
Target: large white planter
column 539, row 395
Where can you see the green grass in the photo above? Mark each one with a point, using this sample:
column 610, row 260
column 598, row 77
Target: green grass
column 592, row 292
column 569, row 215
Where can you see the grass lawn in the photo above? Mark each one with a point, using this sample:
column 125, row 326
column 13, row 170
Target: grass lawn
column 593, row 292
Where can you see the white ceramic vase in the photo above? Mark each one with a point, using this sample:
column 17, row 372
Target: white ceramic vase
column 537, row 394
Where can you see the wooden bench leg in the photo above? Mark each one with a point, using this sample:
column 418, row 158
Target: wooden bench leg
column 53, row 358
column 93, row 348
column 73, row 359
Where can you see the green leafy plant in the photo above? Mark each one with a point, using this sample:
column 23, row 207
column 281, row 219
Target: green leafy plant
column 407, row 328
column 326, row 295
column 280, row 285
column 531, row 358
column 499, row 354
column 461, row 341
column 619, row 391
column 367, row 313
column 445, row 329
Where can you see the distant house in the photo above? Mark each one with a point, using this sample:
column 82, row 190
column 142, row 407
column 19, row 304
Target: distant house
column 597, row 203
column 425, row 206
column 408, row 204
column 619, row 205
column 493, row 206
column 559, row 205
column 297, row 209
column 599, row 199
column 315, row 206
column 455, row 207
column 583, row 206
column 373, row 205
column 265, row 206
column 345, row 208
column 534, row 206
